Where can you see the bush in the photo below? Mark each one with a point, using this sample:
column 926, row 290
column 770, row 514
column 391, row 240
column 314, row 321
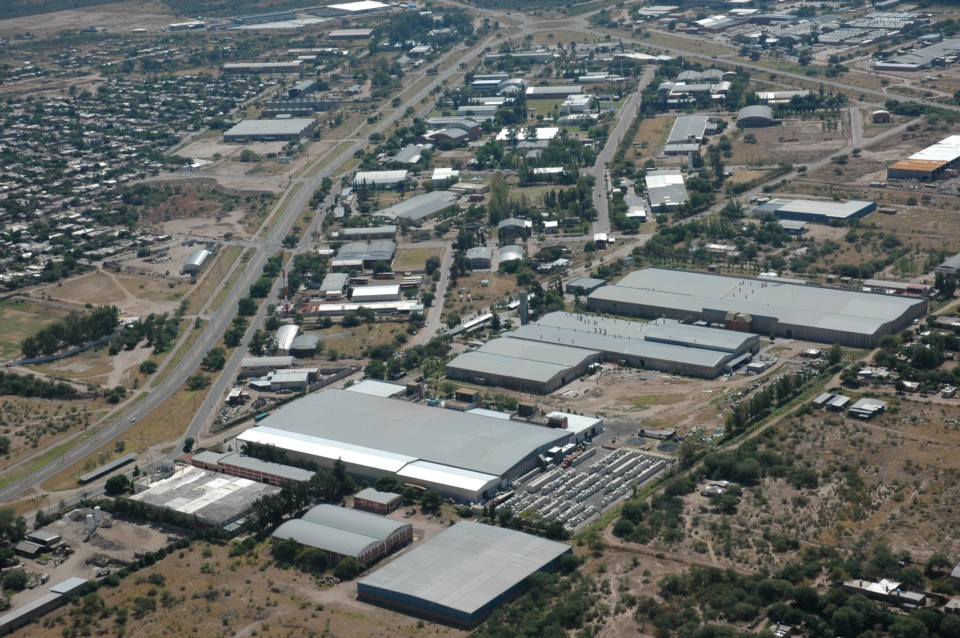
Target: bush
column 15, row 579
column 348, row 569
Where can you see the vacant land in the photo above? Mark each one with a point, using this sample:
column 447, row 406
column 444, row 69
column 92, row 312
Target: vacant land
column 20, row 318
column 414, row 258
column 204, row 591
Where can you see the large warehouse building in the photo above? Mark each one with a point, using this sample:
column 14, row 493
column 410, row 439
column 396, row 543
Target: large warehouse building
column 283, row 129
column 544, row 356
column 768, row 307
column 930, row 163
column 811, row 210
column 539, row 368
column 462, row 574
column 463, row 456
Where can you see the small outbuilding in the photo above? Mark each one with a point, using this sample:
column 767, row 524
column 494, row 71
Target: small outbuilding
column 881, row 117
column 196, row 262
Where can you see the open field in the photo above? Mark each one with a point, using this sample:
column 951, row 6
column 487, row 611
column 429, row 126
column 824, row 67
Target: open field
column 20, row 318
column 796, row 141
column 134, row 295
column 119, row 17
column 414, row 258
column 35, row 424
column 467, row 298
column 150, row 436
column 204, row 591
column 887, row 479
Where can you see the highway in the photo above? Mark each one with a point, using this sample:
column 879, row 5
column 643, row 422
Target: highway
column 298, row 196
column 220, row 320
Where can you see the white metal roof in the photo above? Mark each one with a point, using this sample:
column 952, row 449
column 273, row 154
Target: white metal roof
column 445, row 475
column 326, row 448
column 946, row 150
column 286, row 334
column 361, row 5
column 375, row 388
column 364, row 292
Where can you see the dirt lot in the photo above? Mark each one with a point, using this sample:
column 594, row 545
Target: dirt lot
column 134, row 295
column 469, row 297
column 118, row 17
column 204, row 591
column 20, row 318
column 796, row 141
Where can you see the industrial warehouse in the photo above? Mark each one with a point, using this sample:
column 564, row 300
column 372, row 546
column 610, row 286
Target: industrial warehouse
column 763, row 306
column 544, row 356
column 812, row 210
column 270, row 130
column 466, row 457
column 461, row 575
column 930, row 163
column 343, row 533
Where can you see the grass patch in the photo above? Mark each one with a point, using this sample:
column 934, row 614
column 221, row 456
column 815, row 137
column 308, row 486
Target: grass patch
column 644, row 402
column 231, row 281
column 18, row 321
column 414, row 258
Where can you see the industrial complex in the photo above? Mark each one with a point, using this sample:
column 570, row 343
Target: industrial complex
column 763, row 306
column 466, row 457
column 549, row 353
column 811, row 210
column 461, row 575
column 929, row 163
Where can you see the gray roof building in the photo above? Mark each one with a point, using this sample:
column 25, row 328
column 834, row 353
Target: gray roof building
column 686, row 135
column 285, row 336
column 281, row 129
column 823, row 211
column 665, row 190
column 195, row 263
column 765, row 306
column 364, row 255
column 460, row 455
column 305, row 345
column 333, row 284
column 950, row 267
column 249, row 467
column 510, row 253
column 462, row 574
column 922, row 58
column 663, row 345
column 343, row 532
column 584, row 285
column 756, row 116
column 409, row 154
column 539, row 368
column 480, row 256
column 369, row 232
column 421, row 207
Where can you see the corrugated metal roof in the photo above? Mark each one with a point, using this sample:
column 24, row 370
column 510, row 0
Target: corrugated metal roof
column 285, row 336
column 288, row 126
column 826, row 308
column 420, row 206
column 390, row 433
column 466, row 567
column 355, row 521
column 376, row 388
column 329, row 539
column 376, row 496
column 452, row 476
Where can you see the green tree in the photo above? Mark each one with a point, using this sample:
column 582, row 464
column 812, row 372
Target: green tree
column 247, row 306
column 430, row 502
column 348, row 569
column 498, row 204
column 198, row 381
column 15, row 580
column 117, row 485
column 148, row 367
column 834, row 355
column 188, row 444
column 214, row 360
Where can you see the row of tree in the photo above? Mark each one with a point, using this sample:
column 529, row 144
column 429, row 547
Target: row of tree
column 73, row 330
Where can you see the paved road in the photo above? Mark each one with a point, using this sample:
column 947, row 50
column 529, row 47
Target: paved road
column 220, row 320
column 601, row 175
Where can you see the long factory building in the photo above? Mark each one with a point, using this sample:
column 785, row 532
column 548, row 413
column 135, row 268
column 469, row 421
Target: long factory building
column 467, row 457
column 930, row 163
column 543, row 356
column 762, row 306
